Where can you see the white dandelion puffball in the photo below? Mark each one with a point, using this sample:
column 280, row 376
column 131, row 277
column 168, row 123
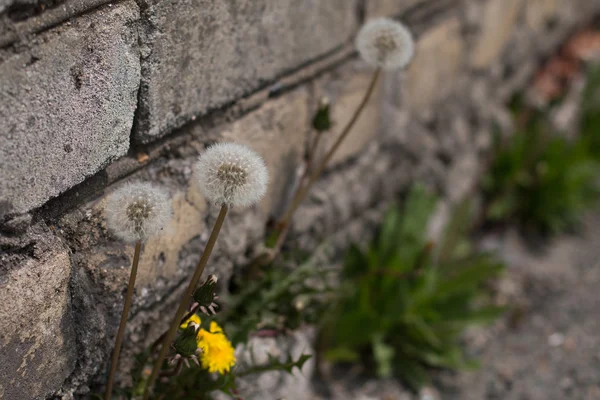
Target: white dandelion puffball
column 385, row 43
column 232, row 174
column 137, row 211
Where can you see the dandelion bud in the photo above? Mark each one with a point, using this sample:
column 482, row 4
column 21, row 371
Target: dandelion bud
column 321, row 121
column 137, row 211
column 205, row 295
column 385, row 43
column 232, row 174
column 186, row 344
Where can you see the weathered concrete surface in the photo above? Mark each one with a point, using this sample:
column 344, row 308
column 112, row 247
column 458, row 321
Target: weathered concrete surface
column 200, row 55
column 37, row 342
column 24, row 18
column 385, row 8
column 277, row 384
column 499, row 18
column 538, row 13
column 428, row 79
column 4, row 4
column 67, row 105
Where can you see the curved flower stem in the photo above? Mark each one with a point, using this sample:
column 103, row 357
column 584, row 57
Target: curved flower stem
column 185, row 300
column 124, row 314
column 316, row 173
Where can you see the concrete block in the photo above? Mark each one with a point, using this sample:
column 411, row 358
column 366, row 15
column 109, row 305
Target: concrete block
column 389, row 8
column 37, row 341
column 67, row 105
column 200, row 55
column 539, row 12
column 497, row 23
column 438, row 62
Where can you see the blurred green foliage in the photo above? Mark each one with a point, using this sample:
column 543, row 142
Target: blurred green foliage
column 196, row 383
column 281, row 299
column 590, row 112
column 404, row 302
column 541, row 179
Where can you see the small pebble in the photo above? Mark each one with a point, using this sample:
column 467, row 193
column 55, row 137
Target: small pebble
column 570, row 343
column 428, row 393
column 556, row 339
column 566, row 383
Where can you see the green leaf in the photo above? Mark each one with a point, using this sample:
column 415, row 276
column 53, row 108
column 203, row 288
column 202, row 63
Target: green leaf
column 412, row 373
column 456, row 230
column 423, row 330
column 502, row 207
column 389, row 236
column 418, row 207
column 355, row 262
column 341, row 354
column 275, row 365
column 468, row 278
column 383, row 355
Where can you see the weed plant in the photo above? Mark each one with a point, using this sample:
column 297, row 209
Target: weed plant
column 404, row 301
column 542, row 180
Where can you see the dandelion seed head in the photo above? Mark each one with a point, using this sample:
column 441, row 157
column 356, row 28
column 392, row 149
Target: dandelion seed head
column 137, row 211
column 232, row 174
column 385, row 43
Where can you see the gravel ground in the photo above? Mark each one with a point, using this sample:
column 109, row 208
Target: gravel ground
column 548, row 347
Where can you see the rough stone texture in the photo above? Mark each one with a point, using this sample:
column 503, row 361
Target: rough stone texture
column 67, row 106
column 427, row 79
column 200, row 55
column 25, row 18
column 385, row 8
column 499, row 19
column 37, row 342
column 205, row 57
column 277, row 385
column 540, row 12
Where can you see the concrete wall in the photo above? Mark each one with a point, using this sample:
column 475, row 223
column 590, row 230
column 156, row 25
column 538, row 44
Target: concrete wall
column 95, row 93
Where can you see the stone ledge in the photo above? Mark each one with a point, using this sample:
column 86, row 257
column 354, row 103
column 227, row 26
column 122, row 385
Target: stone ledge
column 201, row 56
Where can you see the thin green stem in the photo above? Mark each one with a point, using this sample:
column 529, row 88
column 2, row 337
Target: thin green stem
column 185, row 301
column 316, row 173
column 124, row 314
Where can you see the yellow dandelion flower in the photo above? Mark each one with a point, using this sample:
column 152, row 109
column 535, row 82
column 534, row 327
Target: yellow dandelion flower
column 215, row 328
column 218, row 355
column 194, row 318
